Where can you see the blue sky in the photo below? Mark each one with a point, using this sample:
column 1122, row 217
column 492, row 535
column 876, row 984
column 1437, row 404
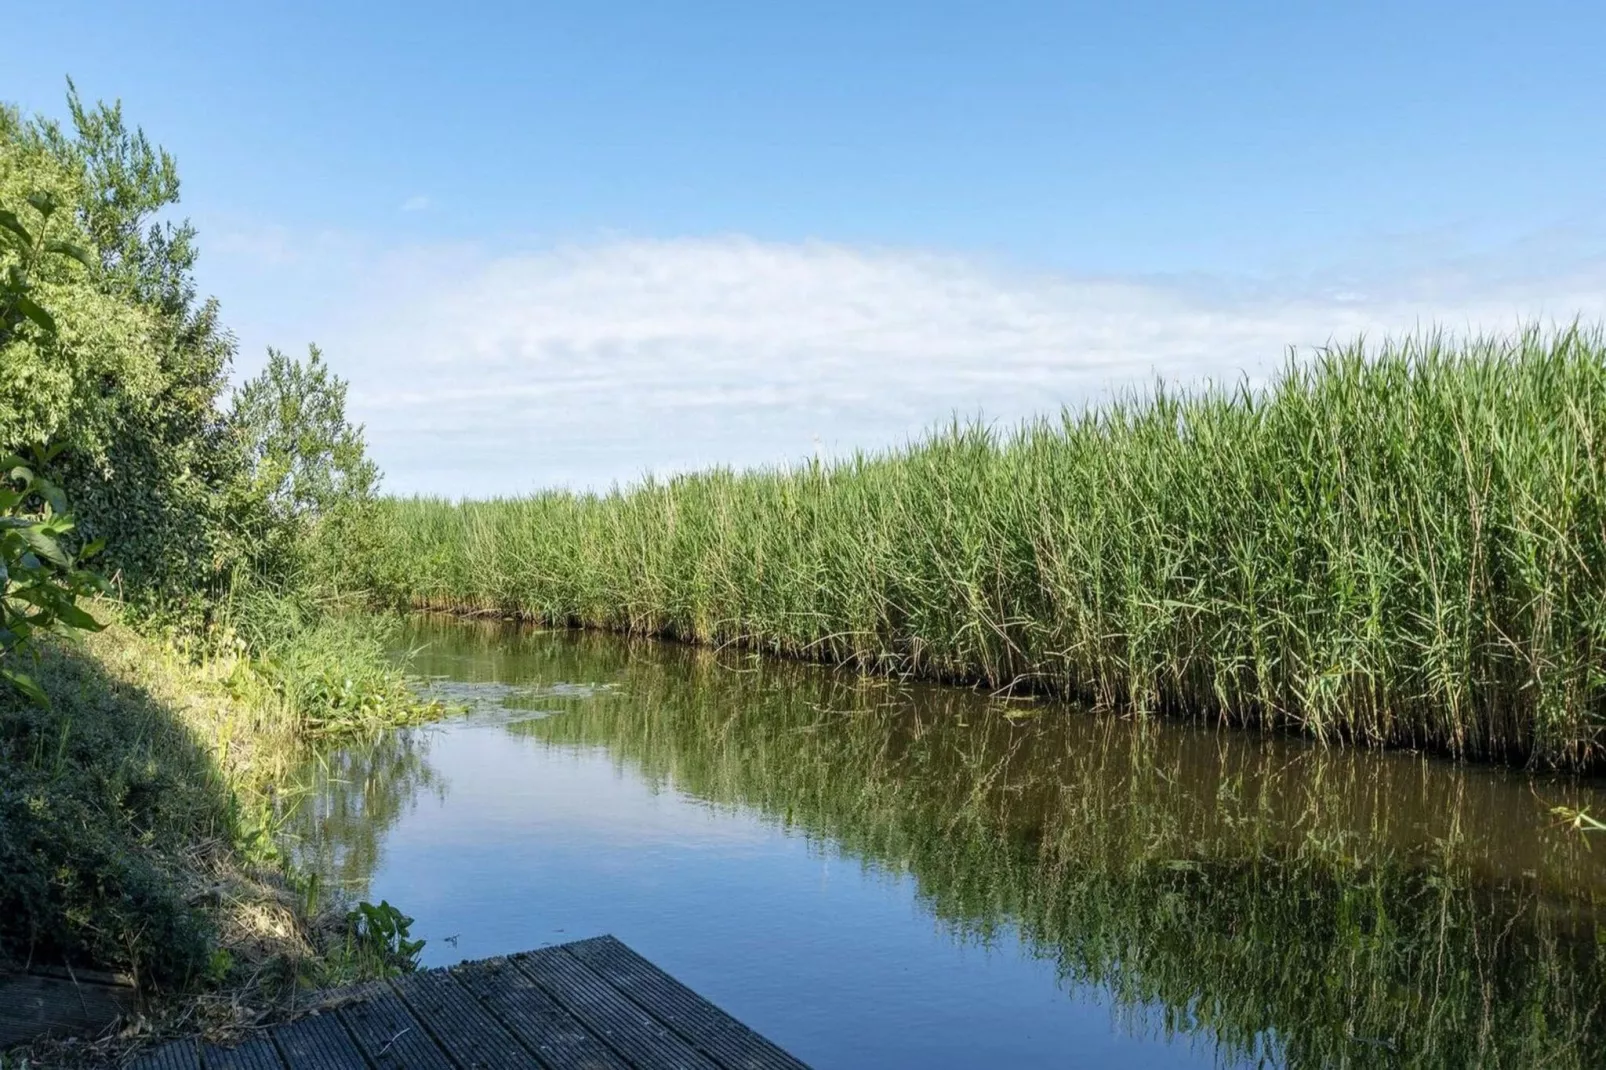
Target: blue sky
column 570, row 243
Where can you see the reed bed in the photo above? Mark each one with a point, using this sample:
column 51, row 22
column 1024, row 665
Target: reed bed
column 1399, row 544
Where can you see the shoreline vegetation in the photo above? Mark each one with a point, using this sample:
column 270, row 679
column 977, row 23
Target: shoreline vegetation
column 139, row 818
column 173, row 634
column 1392, row 545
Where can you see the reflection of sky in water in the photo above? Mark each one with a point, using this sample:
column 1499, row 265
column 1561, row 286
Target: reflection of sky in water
column 1354, row 904
column 535, row 844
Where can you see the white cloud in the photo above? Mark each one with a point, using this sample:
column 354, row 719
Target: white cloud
column 585, row 364
column 416, row 203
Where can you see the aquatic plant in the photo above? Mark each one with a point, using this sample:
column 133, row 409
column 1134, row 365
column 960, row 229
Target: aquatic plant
column 1398, row 544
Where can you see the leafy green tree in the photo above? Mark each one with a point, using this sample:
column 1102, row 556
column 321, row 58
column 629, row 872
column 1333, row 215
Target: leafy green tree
column 130, row 383
column 40, row 579
column 192, row 495
column 307, row 482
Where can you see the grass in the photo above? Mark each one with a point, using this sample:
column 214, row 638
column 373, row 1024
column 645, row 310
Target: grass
column 1393, row 545
column 137, row 816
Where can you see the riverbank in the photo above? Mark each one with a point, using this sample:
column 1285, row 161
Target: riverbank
column 137, row 830
column 1401, row 545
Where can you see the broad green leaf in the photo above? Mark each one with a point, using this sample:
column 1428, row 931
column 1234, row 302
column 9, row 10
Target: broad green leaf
column 42, row 595
column 10, row 223
column 46, row 547
column 45, row 320
column 24, row 683
column 71, row 615
column 44, row 202
column 54, row 495
column 67, row 248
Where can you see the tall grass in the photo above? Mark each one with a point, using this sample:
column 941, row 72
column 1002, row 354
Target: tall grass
column 1402, row 544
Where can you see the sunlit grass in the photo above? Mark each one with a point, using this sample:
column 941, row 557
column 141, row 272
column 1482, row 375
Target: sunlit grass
column 1403, row 544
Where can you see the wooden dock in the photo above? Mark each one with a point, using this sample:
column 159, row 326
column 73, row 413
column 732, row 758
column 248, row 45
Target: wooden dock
column 590, row 1004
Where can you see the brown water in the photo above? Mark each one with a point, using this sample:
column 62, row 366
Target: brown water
column 882, row 874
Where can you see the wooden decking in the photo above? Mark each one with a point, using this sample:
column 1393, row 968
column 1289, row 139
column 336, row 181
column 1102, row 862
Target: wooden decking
column 590, row 1004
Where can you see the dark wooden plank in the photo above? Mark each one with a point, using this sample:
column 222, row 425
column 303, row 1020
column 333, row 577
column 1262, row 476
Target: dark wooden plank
column 32, row 1006
column 471, row 1036
column 318, row 1042
column 389, row 1035
column 560, row 1041
column 257, row 1053
column 178, row 1055
column 626, row 1028
column 727, row 1041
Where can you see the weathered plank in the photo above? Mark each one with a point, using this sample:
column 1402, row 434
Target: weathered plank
column 626, row 1027
column 457, row 1021
column 257, row 1053
column 318, row 1042
column 730, row 1043
column 560, row 1041
column 389, row 1035
column 34, row 1005
column 593, row 1005
column 177, row 1055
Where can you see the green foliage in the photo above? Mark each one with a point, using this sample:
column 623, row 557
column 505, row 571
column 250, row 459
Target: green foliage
column 193, row 495
column 333, row 669
column 101, row 794
column 207, row 515
column 307, row 480
column 130, row 380
column 27, row 249
column 40, row 579
column 377, row 938
column 1404, row 545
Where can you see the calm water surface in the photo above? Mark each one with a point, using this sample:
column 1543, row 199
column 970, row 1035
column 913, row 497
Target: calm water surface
column 876, row 874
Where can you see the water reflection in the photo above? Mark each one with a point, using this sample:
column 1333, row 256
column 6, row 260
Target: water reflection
column 1263, row 899
column 344, row 801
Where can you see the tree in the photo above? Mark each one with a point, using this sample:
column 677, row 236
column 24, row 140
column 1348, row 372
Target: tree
column 130, row 384
column 307, row 478
column 40, row 579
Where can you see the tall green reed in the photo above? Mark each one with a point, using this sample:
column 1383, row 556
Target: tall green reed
column 1401, row 544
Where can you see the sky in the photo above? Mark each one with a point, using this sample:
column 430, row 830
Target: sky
column 571, row 244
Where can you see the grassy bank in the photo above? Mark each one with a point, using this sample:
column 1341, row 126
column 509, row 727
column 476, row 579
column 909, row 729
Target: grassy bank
column 136, row 828
column 1398, row 546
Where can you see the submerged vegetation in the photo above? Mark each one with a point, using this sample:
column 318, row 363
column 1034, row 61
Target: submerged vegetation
column 1403, row 544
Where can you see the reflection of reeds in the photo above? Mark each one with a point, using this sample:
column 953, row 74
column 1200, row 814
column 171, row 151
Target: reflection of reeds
column 343, row 800
column 1405, row 546
column 1319, row 907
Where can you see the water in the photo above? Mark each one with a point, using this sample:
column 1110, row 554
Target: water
column 878, row 874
